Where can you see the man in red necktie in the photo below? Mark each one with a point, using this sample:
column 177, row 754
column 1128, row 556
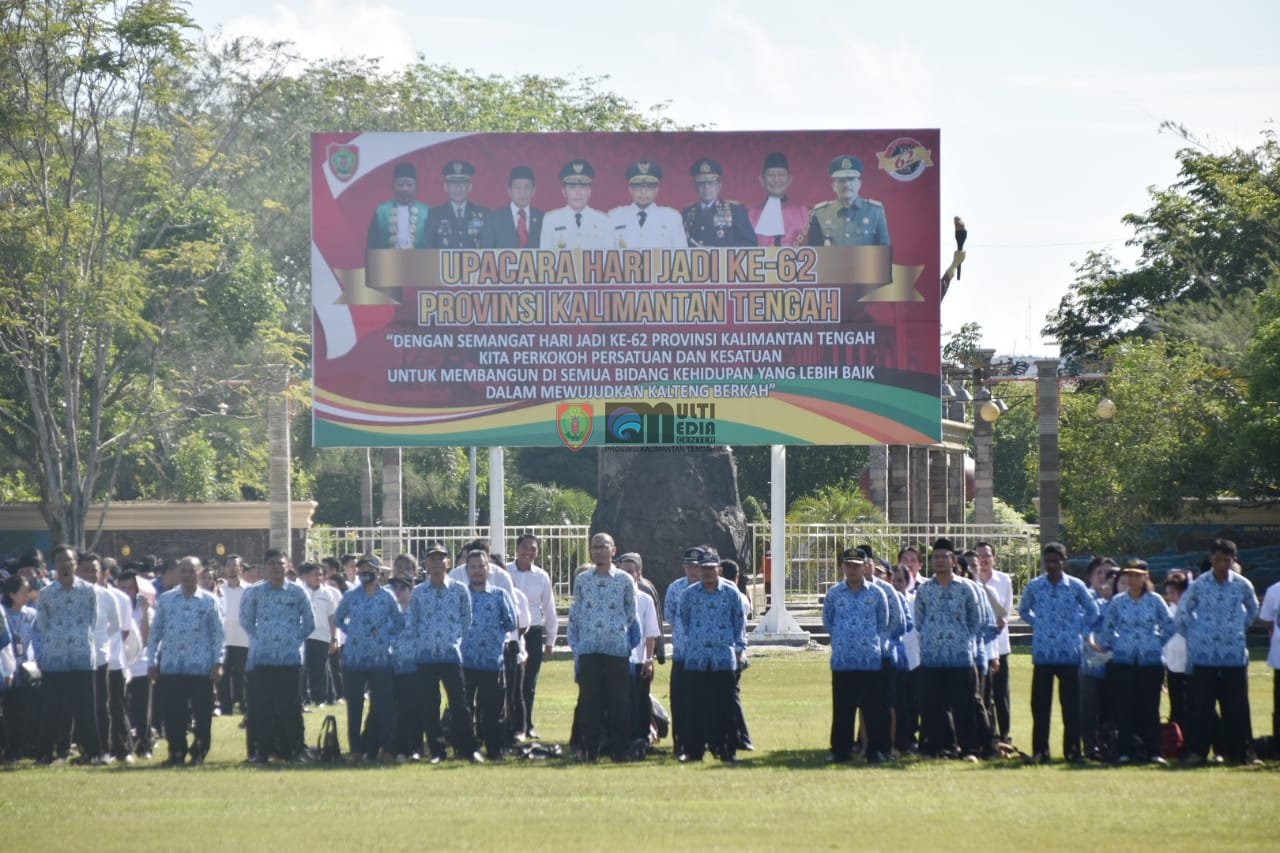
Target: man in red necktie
column 520, row 227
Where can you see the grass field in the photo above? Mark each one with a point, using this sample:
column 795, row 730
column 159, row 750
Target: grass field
column 781, row 797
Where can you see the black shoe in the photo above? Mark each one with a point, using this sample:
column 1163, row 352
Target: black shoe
column 175, row 761
column 687, row 758
column 832, row 758
column 258, row 758
column 197, row 758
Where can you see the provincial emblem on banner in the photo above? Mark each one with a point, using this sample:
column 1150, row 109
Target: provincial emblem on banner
column 343, row 160
column 573, row 420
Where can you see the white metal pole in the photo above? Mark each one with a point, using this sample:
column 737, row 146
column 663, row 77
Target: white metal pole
column 497, row 503
column 778, row 625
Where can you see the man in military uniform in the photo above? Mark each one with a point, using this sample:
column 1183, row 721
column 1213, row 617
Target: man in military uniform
column 643, row 224
column 460, row 224
column 576, row 226
column 520, row 226
column 711, row 221
column 400, row 223
column 777, row 220
column 849, row 220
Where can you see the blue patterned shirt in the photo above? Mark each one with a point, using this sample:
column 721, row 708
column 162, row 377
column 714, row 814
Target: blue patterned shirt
column 277, row 621
column 65, row 619
column 1135, row 631
column 986, row 624
column 715, row 629
column 1093, row 665
column 671, row 612
column 371, row 624
column 1213, row 617
column 947, row 618
column 897, row 616
column 186, row 633
column 438, row 616
column 493, row 614
column 602, row 617
column 858, row 622
column 404, row 648
column 1060, row 614
column 22, row 632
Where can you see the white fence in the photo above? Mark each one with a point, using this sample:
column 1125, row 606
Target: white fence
column 562, row 548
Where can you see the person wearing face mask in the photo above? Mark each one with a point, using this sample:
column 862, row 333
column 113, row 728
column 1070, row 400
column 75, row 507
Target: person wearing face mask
column 371, row 619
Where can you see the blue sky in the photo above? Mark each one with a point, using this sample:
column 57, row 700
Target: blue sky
column 1050, row 115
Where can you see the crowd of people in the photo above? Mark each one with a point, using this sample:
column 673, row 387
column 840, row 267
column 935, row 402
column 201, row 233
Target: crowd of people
column 103, row 658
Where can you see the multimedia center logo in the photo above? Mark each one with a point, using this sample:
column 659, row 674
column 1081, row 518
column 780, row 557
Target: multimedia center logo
column 660, row 423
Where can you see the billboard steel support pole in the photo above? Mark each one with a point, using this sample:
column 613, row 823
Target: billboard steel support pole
column 778, row 625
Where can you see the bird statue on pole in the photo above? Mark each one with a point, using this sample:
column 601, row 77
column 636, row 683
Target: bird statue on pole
column 962, row 234
column 953, row 271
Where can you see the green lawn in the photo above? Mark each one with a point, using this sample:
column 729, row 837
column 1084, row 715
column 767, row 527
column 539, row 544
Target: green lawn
column 783, row 796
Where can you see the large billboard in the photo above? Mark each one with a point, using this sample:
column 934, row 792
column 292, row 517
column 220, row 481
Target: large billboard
column 654, row 289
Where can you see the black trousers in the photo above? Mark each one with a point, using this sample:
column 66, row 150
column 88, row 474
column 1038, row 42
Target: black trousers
column 231, row 686
column 1136, row 709
column 1179, row 699
column 118, row 714
column 484, row 693
column 377, row 733
column 1068, row 676
column 712, row 721
column 101, row 709
column 407, row 691
column 946, row 700
column 906, row 710
column 513, row 713
column 462, row 722
column 138, row 699
column 275, row 724
column 853, row 692
column 534, row 641
column 336, row 688
column 67, row 700
column 1224, row 687
column 679, row 717
column 998, row 697
column 1095, row 712
column 641, row 708
column 21, row 736
column 187, row 698
column 603, row 688
column 984, row 727
column 316, row 661
column 742, row 733
column 1275, row 708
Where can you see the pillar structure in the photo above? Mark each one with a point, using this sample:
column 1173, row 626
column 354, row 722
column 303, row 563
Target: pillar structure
column 1047, row 403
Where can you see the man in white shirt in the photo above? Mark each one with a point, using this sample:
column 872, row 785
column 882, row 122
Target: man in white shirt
column 576, row 226
column 544, row 623
column 138, row 690
column 1269, row 612
column 997, row 685
column 642, row 653
column 231, row 688
column 120, row 743
column 323, row 640
column 89, row 570
column 643, row 224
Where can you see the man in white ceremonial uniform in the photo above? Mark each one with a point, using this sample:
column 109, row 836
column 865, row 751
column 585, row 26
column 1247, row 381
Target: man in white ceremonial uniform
column 644, row 224
column 576, row 225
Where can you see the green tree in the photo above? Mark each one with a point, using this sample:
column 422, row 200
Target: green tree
column 842, row 503
column 1016, row 451
column 536, row 503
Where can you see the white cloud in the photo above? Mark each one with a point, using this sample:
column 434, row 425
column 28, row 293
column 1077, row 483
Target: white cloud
column 331, row 29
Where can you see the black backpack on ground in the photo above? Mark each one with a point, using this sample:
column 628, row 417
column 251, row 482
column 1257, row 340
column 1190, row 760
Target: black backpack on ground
column 328, row 746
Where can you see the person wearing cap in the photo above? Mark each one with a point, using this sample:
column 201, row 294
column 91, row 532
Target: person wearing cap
column 323, row 640
column 406, row 685
column 460, row 223
column 371, row 619
column 1218, row 608
column 643, row 224
column 400, row 223
column 576, row 225
column 855, row 614
column 277, row 616
column 948, row 617
column 715, row 648
column 712, row 221
column 439, row 613
column 544, row 624
column 690, row 561
column 185, row 647
column 850, row 219
column 1134, row 628
column 493, row 615
column 1059, row 610
column 641, row 669
column 777, row 220
column 520, row 225
column 886, row 693
column 602, row 619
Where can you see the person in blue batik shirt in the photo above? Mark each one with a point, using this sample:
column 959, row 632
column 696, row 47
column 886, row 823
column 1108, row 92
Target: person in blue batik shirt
column 1134, row 628
column 439, row 613
column 276, row 614
column 715, row 646
column 1059, row 610
column 371, row 619
column 186, row 638
column 406, row 686
column 671, row 612
column 856, row 616
column 602, row 621
column 947, row 617
column 66, row 612
column 492, row 616
column 1219, row 606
